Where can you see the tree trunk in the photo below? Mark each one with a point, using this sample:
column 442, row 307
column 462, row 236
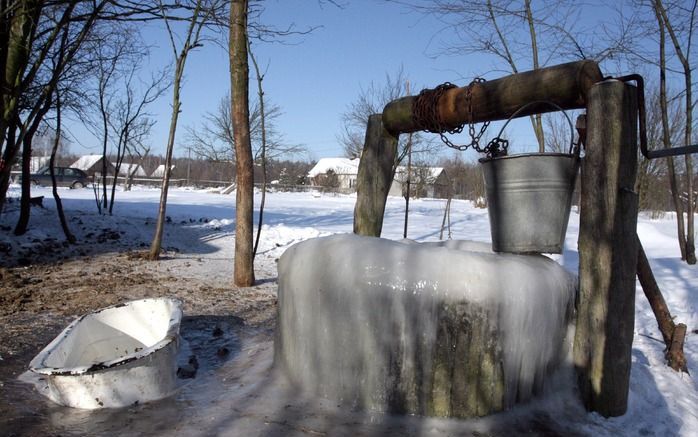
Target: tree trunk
column 565, row 85
column 156, row 244
column 190, row 42
column 27, row 138
column 263, row 155
column 607, row 250
column 59, row 204
column 24, row 205
column 239, row 84
column 19, row 25
column 690, row 251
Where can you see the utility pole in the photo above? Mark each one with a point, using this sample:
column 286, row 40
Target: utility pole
column 188, row 164
column 409, row 171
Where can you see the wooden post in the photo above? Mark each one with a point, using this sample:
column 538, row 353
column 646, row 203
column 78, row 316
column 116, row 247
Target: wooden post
column 374, row 178
column 607, row 249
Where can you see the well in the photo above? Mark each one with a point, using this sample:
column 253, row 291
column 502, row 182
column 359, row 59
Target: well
column 450, row 330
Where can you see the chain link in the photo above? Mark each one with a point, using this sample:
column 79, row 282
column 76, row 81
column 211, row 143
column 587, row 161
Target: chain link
column 426, row 116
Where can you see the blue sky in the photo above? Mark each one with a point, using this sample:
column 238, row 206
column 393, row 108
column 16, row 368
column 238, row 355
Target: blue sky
column 315, row 77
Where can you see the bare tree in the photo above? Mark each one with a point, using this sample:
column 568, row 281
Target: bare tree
column 192, row 40
column 131, row 123
column 372, row 100
column 682, row 49
column 54, row 57
column 501, row 28
column 239, row 85
column 214, row 140
column 263, row 153
column 59, row 204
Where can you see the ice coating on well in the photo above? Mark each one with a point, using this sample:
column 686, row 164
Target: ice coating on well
column 443, row 328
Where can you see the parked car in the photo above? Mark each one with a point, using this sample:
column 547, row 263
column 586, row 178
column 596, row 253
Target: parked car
column 65, row 177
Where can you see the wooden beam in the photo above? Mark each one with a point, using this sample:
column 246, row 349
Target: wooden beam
column 566, row 85
column 608, row 249
column 374, row 178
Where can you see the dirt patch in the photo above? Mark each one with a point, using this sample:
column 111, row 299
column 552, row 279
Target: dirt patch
column 39, row 300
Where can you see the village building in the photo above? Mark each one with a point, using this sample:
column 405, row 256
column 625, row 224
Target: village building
column 159, row 171
column 128, row 169
column 424, row 182
column 93, row 165
column 341, row 174
column 335, row 173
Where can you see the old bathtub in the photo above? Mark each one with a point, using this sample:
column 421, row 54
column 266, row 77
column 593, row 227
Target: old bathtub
column 113, row 357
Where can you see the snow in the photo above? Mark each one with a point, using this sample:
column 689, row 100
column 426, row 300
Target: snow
column 662, row 402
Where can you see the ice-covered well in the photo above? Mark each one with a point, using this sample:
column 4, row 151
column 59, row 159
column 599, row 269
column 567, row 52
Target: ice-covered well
column 439, row 329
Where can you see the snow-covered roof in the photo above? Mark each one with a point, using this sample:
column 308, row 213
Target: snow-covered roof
column 128, row 168
column 160, row 171
column 86, row 162
column 344, row 166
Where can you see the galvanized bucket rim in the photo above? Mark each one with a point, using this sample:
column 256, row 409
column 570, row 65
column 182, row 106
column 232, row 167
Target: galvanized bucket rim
column 532, row 154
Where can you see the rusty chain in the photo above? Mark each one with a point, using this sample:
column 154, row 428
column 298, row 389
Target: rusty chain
column 426, row 116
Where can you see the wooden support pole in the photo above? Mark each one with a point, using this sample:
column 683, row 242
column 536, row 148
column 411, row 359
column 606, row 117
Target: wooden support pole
column 654, row 296
column 673, row 334
column 566, row 85
column 374, row 178
column 607, row 249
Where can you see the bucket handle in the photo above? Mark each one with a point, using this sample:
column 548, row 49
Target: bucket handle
column 569, row 121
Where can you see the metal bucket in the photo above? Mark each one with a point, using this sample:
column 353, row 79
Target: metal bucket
column 529, row 197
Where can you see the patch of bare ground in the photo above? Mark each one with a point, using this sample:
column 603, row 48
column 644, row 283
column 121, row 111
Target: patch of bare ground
column 39, row 300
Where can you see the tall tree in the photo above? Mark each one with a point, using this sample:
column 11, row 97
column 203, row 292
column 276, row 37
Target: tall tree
column 263, row 153
column 239, row 85
column 62, row 45
column 682, row 49
column 59, row 204
column 192, row 40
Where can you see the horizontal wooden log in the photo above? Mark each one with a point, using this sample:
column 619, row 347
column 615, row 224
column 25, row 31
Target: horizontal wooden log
column 566, row 85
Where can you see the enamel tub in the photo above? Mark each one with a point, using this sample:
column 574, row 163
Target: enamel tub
column 114, row 357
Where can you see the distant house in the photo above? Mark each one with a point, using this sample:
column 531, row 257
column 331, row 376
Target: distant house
column 339, row 173
column 159, row 172
column 424, row 182
column 92, row 164
column 126, row 169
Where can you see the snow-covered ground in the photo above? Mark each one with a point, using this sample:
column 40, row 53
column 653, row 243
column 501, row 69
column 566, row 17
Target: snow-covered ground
column 662, row 402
